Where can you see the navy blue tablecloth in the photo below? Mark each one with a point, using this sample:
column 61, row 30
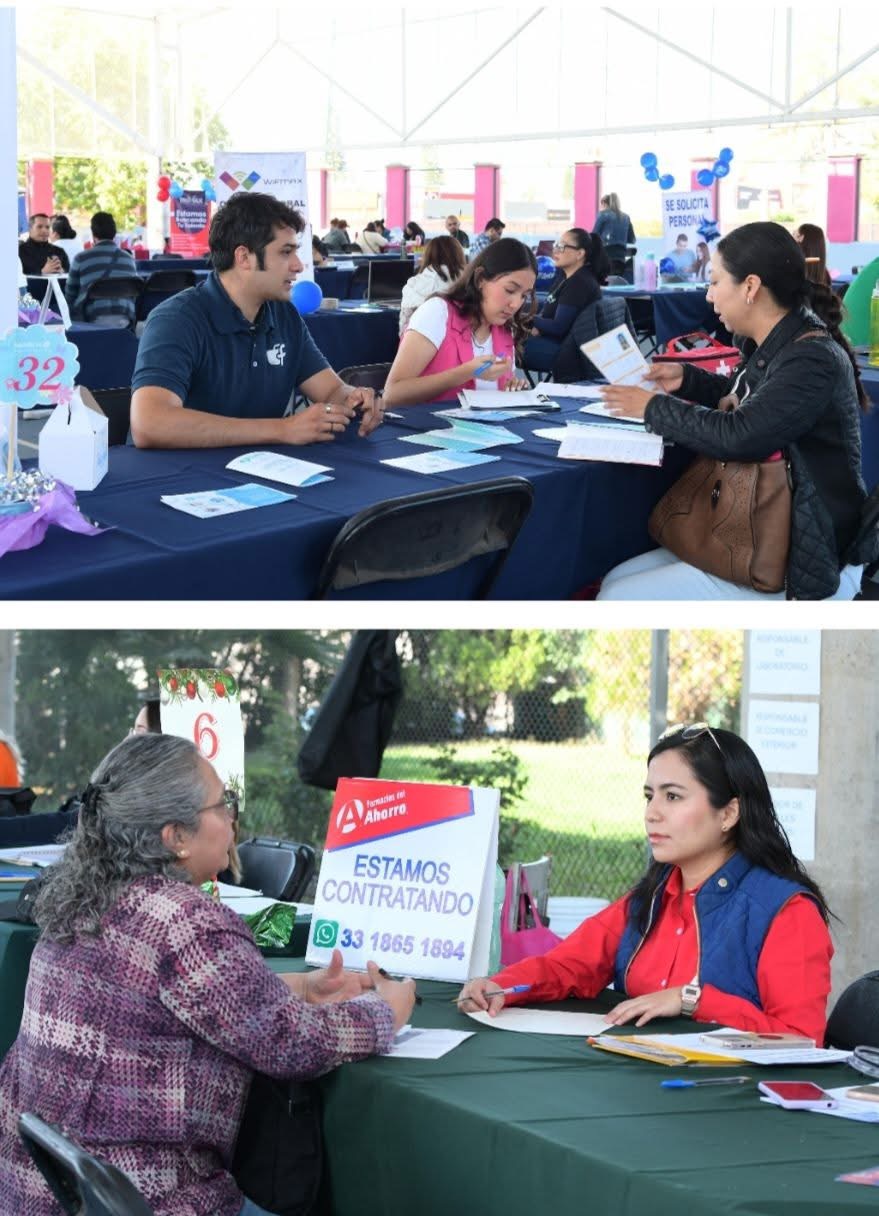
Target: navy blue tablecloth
column 586, row 518
column 334, row 281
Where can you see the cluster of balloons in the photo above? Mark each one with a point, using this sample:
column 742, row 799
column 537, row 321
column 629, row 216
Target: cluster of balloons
column 167, row 188
column 306, row 296
column 720, row 168
column 650, row 165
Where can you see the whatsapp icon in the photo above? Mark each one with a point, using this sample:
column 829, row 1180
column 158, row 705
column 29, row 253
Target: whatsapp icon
column 326, row 932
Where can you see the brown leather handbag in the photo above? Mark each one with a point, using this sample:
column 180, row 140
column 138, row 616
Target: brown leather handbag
column 731, row 519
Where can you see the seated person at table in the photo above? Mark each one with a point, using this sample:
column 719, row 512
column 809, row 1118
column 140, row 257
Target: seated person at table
column 724, row 926
column 453, row 228
column 219, row 363
column 36, row 254
column 682, row 258
column 371, row 239
column 103, row 261
column 798, row 388
column 319, row 252
column 169, row 992
column 581, row 268
column 466, row 337
column 441, row 262
column 494, row 230
column 337, row 240
column 415, row 233
column 65, row 237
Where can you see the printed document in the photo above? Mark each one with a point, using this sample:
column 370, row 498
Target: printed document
column 617, row 444
column 414, row 1044
column 286, row 469
column 617, row 356
column 543, row 1021
column 439, row 462
column 205, row 504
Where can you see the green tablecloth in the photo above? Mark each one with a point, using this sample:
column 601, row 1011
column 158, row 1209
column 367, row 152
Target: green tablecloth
column 521, row 1125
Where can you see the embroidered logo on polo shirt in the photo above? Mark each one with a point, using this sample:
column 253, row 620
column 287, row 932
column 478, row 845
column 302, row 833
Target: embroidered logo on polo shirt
column 277, row 354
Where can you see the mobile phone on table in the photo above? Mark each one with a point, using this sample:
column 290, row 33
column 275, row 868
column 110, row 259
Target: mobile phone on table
column 797, row 1095
column 864, row 1093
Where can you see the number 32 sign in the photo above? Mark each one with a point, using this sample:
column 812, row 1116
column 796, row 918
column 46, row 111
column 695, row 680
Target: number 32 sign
column 37, row 367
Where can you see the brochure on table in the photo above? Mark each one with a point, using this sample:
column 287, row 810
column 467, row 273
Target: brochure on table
column 286, row 469
column 205, row 504
column 439, row 461
column 606, row 441
column 203, row 704
column 617, row 357
column 407, row 879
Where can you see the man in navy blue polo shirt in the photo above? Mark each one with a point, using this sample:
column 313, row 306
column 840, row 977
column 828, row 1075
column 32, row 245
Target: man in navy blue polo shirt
column 219, row 364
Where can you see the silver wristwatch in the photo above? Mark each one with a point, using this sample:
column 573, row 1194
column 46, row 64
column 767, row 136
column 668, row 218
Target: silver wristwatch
column 690, row 994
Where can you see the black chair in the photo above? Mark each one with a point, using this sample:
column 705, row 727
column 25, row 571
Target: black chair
column 429, row 533
column 82, row 1184
column 281, row 869
column 115, row 404
column 854, row 1021
column 570, row 364
column 125, row 287
column 169, row 281
column 366, row 375
column 359, row 284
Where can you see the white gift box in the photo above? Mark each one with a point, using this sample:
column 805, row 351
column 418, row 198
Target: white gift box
column 73, row 445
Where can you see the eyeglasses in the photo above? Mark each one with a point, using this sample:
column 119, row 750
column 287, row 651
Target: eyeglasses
column 560, row 245
column 229, row 804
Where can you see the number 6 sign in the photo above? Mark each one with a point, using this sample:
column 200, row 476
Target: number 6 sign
column 203, row 704
column 37, row 367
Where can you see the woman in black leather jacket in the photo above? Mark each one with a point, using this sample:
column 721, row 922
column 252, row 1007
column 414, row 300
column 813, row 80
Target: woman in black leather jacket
column 798, row 389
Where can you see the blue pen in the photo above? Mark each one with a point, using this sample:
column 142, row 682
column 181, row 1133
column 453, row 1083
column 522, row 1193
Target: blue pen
column 482, row 366
column 680, row 1083
column 497, row 992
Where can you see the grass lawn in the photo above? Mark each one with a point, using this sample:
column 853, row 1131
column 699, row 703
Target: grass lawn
column 583, row 804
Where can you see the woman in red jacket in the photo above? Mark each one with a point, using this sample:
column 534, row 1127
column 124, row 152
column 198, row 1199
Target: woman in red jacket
column 725, row 925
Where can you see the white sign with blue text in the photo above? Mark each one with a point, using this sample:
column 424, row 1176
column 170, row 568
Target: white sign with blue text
column 407, row 879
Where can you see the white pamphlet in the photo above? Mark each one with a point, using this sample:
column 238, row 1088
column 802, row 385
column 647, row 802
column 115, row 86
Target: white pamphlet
column 205, row 504
column 414, row 1044
column 617, row 356
column 484, row 415
column 34, row 854
column 577, row 392
column 617, row 444
column 543, row 1021
column 439, row 462
column 463, row 438
column 475, row 399
column 286, row 469
column 599, row 408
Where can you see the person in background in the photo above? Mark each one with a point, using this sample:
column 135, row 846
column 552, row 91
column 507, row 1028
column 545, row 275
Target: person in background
column 170, row 992
column 441, row 263
column 492, row 232
column 798, row 388
column 372, row 240
column 336, row 240
column 320, row 255
column 466, row 337
column 615, row 230
column 36, row 254
column 682, row 257
column 811, row 240
column 382, row 228
column 581, row 267
column 702, row 268
column 724, row 926
column 453, row 228
column 218, row 363
column 103, row 261
column 414, row 233
column 11, row 763
column 64, row 236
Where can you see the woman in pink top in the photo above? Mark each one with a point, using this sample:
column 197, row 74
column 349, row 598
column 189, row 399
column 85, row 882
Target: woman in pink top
column 466, row 337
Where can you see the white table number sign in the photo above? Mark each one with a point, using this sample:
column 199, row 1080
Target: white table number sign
column 407, row 879
column 203, row 705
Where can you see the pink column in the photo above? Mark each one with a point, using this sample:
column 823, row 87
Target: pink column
column 843, row 196
column 713, row 189
column 486, row 195
column 397, row 196
column 40, row 187
column 587, row 191
column 324, row 199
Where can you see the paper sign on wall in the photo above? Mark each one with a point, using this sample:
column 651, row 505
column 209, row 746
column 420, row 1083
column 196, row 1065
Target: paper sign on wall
column 407, row 879
column 281, row 174
column 785, row 735
column 785, row 661
column 796, row 811
column 203, row 705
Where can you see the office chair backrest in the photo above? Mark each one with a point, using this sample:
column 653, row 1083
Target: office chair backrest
column 123, row 287
column 596, row 318
column 82, row 1184
column 854, row 1021
column 429, row 533
column 281, row 869
column 170, row 280
column 115, row 404
column 366, row 375
column 537, row 874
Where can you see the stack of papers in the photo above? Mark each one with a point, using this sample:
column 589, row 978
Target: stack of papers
column 690, row 1048
column 205, row 504
column 33, row 854
column 542, row 1021
column 286, row 469
column 464, row 437
column 617, row 444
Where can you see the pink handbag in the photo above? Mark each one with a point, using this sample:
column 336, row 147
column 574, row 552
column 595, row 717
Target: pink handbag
column 531, row 937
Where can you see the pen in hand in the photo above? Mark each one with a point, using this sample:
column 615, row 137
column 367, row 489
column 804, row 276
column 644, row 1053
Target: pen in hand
column 386, row 976
column 680, row 1083
column 459, row 1000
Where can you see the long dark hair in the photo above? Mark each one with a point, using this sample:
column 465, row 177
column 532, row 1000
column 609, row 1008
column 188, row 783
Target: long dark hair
column 770, row 252
column 62, row 228
column 443, row 253
column 726, row 766
column 504, row 256
column 814, row 247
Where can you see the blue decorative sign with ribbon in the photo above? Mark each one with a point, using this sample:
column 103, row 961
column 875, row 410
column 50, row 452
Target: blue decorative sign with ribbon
column 37, row 367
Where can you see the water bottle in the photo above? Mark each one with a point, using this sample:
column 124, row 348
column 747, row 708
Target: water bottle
column 494, row 949
column 874, row 328
column 650, row 272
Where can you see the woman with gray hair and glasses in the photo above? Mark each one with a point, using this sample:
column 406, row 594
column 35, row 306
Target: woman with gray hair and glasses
column 149, row 1007
column 724, row 926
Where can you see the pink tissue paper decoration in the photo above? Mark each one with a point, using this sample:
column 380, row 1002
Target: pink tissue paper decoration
column 27, row 528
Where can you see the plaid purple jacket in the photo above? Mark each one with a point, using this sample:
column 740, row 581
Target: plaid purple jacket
column 140, row 1044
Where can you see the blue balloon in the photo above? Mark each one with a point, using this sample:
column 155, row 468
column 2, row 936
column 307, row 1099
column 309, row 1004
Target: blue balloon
column 545, row 265
column 210, row 195
column 652, row 175
column 206, row 184
column 725, row 154
column 705, row 177
column 666, row 266
column 666, row 181
column 306, row 296
column 648, row 160
column 721, row 168
column 175, row 191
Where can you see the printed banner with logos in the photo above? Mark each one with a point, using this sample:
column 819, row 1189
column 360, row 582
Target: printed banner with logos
column 190, row 223
column 203, row 704
column 281, row 174
column 688, row 220
column 407, row 879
